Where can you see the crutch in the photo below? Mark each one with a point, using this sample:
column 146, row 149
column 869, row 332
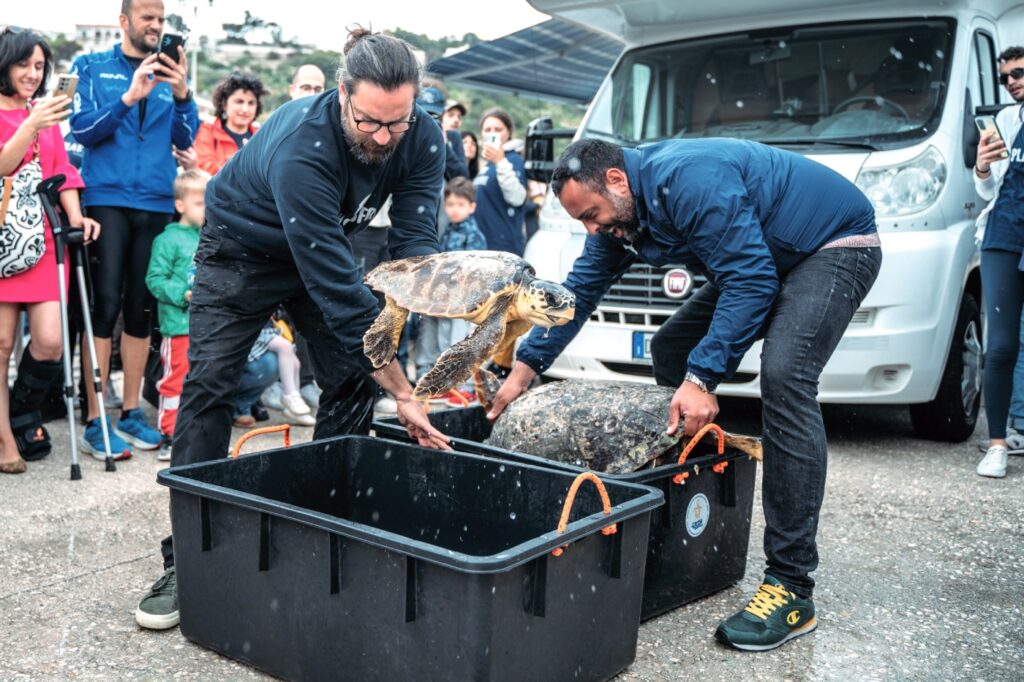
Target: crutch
column 49, row 195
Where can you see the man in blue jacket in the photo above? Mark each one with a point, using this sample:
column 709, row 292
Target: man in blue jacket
column 790, row 249
column 278, row 220
column 131, row 105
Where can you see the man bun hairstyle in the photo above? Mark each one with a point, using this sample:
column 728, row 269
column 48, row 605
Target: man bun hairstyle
column 586, row 161
column 383, row 60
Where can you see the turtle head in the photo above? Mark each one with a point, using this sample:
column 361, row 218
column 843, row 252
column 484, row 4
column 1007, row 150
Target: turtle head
column 545, row 303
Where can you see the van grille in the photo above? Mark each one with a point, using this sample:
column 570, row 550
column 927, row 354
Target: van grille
column 642, row 286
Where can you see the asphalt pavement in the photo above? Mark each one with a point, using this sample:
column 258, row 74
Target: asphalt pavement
column 920, row 575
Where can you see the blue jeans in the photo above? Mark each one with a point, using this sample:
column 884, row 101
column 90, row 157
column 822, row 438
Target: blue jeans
column 1017, row 398
column 1003, row 284
column 816, row 301
column 257, row 376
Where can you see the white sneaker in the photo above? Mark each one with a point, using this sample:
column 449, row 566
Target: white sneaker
column 993, row 464
column 272, row 396
column 311, row 394
column 386, row 404
column 296, row 411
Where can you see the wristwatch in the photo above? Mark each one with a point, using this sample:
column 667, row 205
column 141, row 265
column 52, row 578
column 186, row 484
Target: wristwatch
column 700, row 383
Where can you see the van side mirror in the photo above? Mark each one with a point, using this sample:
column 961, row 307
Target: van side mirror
column 540, row 148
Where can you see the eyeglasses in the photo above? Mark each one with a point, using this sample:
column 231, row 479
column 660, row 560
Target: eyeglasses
column 369, row 125
column 1015, row 74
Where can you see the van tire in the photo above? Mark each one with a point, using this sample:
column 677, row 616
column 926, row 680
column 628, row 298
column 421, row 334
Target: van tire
column 953, row 414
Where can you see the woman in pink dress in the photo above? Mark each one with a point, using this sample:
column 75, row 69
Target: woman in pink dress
column 28, row 126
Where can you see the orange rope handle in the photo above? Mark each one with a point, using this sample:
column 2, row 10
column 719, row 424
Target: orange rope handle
column 457, row 394
column 570, row 497
column 258, row 432
column 679, row 478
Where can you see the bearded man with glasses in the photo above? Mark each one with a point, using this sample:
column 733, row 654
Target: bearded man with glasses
column 999, row 178
column 279, row 216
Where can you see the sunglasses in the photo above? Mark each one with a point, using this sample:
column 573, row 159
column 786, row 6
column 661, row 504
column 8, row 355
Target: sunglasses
column 1015, row 74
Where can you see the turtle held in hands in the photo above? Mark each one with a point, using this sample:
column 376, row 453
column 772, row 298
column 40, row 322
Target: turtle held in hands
column 497, row 291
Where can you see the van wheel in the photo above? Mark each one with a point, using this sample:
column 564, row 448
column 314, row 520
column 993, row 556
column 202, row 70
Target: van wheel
column 954, row 412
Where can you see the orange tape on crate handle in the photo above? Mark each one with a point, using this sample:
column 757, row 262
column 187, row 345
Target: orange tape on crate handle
column 718, row 468
column 259, row 432
column 606, row 504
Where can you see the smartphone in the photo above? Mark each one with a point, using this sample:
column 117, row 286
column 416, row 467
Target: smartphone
column 988, row 124
column 169, row 44
column 66, row 84
column 493, row 139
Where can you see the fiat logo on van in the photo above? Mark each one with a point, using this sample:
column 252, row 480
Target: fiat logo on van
column 677, row 283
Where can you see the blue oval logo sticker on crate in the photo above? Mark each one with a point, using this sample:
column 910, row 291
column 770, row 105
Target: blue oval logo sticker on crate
column 697, row 513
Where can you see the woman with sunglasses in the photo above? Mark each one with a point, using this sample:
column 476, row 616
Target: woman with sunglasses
column 999, row 178
column 29, row 130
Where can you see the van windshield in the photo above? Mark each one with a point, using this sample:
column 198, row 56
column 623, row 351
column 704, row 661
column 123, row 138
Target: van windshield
column 862, row 85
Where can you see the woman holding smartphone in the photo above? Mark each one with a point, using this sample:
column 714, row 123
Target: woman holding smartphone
column 500, row 186
column 29, row 130
column 999, row 178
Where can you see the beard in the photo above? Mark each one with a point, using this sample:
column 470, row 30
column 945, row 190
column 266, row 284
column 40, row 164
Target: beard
column 138, row 40
column 625, row 218
column 362, row 146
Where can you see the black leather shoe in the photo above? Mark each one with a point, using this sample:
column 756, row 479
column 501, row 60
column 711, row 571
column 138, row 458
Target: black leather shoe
column 259, row 413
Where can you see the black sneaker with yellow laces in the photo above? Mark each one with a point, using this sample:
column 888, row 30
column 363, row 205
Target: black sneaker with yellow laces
column 773, row 617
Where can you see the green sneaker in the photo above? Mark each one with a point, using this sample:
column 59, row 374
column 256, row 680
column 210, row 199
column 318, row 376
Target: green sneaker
column 158, row 610
column 773, row 617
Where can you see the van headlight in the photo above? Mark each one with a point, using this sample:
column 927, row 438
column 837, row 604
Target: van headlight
column 905, row 188
column 553, row 215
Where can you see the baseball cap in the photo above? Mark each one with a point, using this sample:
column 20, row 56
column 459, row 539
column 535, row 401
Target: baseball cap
column 454, row 104
column 432, row 100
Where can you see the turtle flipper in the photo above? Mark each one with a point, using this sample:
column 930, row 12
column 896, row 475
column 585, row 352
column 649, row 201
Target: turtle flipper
column 487, row 386
column 458, row 363
column 380, row 342
column 504, row 354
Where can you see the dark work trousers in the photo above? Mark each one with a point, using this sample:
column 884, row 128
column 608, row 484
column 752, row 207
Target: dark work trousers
column 816, row 301
column 234, row 294
column 1003, row 284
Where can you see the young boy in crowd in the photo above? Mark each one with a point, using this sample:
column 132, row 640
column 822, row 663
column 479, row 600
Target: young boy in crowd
column 170, row 276
column 462, row 234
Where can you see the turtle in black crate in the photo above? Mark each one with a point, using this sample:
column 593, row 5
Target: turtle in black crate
column 613, row 427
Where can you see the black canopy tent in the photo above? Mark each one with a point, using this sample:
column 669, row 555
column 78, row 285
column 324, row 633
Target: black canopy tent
column 555, row 60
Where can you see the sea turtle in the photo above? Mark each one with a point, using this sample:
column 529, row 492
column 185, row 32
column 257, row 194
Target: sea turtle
column 609, row 426
column 497, row 291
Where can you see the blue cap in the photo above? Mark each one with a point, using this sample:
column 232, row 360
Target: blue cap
column 432, row 100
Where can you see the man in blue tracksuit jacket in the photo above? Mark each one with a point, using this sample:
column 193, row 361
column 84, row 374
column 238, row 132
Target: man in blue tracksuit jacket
column 130, row 106
column 279, row 216
column 790, row 249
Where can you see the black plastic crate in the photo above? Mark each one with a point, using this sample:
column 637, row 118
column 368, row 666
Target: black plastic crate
column 361, row 558
column 683, row 563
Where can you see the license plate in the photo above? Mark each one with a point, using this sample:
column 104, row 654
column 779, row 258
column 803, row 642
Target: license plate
column 642, row 345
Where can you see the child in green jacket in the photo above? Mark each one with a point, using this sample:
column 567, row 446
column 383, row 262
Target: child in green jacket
column 170, row 276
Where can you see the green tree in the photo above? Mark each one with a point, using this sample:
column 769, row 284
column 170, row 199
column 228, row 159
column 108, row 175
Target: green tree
column 64, row 49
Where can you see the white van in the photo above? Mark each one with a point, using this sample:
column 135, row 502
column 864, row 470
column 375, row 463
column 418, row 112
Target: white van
column 884, row 93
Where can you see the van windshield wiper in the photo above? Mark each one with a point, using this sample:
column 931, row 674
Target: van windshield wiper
column 813, row 141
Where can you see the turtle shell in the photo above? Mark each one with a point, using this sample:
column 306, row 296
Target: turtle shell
column 452, row 284
column 609, row 426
